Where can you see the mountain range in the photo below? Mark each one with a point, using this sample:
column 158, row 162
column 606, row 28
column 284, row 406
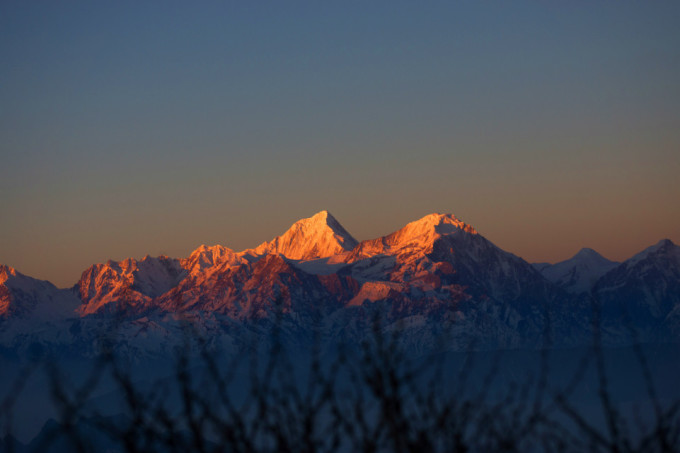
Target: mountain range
column 436, row 280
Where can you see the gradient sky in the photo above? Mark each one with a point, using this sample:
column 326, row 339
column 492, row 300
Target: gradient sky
column 133, row 128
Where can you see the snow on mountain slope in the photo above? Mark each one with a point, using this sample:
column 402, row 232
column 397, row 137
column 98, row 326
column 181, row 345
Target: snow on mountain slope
column 432, row 266
column 249, row 291
column 643, row 293
column 132, row 282
column 404, row 256
column 25, row 297
column 319, row 236
column 206, row 257
column 439, row 268
column 33, row 311
column 664, row 250
column 436, row 276
column 579, row 273
column 440, row 248
column 418, row 236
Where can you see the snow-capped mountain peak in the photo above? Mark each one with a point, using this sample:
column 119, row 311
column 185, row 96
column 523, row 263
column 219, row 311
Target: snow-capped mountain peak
column 664, row 246
column 434, row 269
column 589, row 257
column 434, row 225
column 578, row 273
column 588, row 253
column 12, row 278
column 416, row 237
column 206, row 257
column 136, row 281
column 24, row 296
column 319, row 236
column 646, row 289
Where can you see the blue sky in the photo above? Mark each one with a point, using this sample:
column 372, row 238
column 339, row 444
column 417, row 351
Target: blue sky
column 129, row 128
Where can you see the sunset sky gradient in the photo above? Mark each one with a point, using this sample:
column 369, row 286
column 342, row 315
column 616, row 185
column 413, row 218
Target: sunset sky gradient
column 134, row 128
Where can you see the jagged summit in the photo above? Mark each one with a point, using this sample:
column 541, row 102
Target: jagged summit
column 6, row 272
column 319, row 236
column 132, row 280
column 24, row 296
column 206, row 257
column 10, row 276
column 430, row 274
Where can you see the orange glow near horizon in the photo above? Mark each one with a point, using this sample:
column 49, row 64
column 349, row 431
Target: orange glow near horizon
column 128, row 129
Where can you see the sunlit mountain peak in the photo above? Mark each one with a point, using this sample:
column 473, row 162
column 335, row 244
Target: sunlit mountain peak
column 318, row 236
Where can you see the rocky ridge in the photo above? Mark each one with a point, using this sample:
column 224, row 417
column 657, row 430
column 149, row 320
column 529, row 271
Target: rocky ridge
column 435, row 278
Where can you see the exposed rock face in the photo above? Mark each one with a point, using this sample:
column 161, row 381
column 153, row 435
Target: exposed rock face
column 205, row 258
column 131, row 282
column 250, row 291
